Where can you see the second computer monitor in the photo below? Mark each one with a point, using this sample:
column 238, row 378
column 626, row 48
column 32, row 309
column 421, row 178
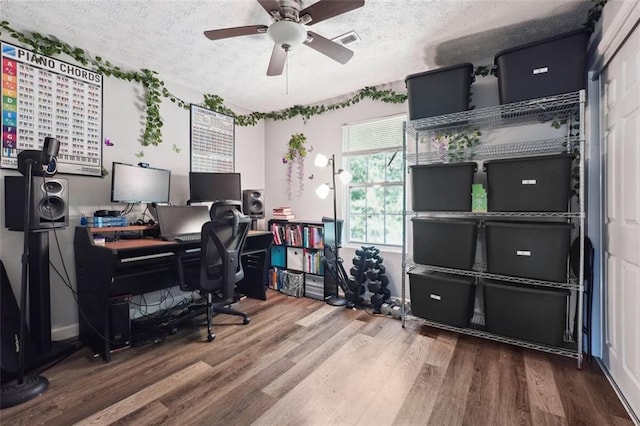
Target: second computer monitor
column 214, row 186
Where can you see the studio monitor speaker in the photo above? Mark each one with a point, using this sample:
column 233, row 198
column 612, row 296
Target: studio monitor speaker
column 253, row 203
column 49, row 206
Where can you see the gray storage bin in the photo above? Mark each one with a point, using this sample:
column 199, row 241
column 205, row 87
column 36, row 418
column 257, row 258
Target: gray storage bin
column 529, row 184
column 442, row 186
column 443, row 298
column 450, row 243
column 544, row 68
column 440, row 91
column 530, row 313
column 536, row 250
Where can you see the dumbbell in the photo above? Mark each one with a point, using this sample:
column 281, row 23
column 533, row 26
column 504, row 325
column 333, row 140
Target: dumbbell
column 355, row 271
column 375, row 286
column 385, row 293
column 381, row 268
column 377, row 300
column 373, row 274
column 384, row 280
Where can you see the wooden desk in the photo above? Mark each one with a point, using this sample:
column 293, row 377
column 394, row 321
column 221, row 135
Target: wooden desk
column 111, row 272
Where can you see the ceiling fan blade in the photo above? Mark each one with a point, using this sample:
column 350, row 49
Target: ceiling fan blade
column 325, row 9
column 272, row 7
column 235, row 32
column 278, row 58
column 330, row 48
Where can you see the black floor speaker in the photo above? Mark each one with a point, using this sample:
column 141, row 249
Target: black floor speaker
column 119, row 322
column 10, row 330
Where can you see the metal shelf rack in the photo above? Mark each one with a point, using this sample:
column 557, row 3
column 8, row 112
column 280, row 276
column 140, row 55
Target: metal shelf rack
column 558, row 107
column 475, row 330
column 563, row 108
column 479, row 271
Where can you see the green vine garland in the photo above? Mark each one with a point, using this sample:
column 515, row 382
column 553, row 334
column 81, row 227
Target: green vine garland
column 155, row 89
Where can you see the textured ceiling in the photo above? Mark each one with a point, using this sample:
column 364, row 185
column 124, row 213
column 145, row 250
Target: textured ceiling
column 398, row 38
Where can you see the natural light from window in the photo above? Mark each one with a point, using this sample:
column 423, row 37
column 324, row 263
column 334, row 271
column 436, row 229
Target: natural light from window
column 372, row 153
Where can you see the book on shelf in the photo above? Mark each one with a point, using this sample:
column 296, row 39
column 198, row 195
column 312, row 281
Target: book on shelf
column 282, row 210
column 279, row 216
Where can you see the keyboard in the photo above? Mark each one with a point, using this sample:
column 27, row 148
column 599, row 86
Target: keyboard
column 183, row 237
column 188, row 237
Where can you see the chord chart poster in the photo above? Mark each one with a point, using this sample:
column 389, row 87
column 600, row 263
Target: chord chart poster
column 41, row 97
column 212, row 141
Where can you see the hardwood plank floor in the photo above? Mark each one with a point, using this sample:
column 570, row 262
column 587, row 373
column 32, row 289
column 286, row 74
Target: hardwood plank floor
column 302, row 362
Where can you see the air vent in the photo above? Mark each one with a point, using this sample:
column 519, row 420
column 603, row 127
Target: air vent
column 347, row 39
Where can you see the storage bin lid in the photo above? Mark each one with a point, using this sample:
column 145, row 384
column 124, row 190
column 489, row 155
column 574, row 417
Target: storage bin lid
column 445, row 221
column 452, row 67
column 531, row 158
column 470, row 164
column 577, row 33
column 421, row 271
column 524, row 288
column 529, row 225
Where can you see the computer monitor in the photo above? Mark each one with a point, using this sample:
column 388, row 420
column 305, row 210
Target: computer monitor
column 214, row 186
column 136, row 184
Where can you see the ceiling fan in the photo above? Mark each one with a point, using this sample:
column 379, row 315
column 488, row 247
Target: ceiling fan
column 288, row 29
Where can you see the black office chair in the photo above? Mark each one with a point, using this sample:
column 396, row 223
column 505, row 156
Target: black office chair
column 219, row 268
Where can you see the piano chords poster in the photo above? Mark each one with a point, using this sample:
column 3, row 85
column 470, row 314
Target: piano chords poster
column 212, row 141
column 41, row 97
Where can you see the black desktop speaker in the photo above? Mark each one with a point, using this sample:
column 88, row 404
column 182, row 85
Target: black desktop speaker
column 253, row 203
column 50, row 206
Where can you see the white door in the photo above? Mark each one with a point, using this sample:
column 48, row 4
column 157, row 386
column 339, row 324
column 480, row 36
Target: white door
column 621, row 127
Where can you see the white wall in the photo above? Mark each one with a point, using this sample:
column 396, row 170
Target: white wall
column 122, row 123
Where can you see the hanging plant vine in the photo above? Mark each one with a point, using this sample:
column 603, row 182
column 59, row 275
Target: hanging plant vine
column 294, row 159
column 155, row 89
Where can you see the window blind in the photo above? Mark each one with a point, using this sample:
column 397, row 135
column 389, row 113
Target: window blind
column 371, row 136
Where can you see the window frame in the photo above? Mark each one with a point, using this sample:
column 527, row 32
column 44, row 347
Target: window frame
column 399, row 152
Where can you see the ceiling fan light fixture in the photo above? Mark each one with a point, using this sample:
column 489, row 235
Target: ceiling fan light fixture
column 287, row 33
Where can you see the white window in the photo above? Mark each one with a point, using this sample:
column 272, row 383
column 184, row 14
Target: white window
column 372, row 152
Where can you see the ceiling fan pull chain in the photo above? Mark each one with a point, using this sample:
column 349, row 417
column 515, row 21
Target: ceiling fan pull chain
column 286, row 73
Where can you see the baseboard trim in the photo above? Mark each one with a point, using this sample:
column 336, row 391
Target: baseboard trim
column 65, row 333
column 625, row 404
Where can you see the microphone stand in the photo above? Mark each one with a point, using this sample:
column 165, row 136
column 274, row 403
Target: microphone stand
column 25, row 388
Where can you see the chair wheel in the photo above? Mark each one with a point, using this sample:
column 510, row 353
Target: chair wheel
column 246, row 320
column 211, row 337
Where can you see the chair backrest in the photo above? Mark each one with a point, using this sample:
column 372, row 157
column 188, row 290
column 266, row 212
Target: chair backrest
column 221, row 245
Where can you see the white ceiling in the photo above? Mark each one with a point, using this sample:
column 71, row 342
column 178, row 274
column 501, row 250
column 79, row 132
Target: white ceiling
column 398, row 38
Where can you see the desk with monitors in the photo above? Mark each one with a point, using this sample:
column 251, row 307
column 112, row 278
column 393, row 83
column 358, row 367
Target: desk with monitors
column 109, row 274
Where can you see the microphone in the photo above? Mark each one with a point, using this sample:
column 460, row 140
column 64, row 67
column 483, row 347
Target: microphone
column 50, row 150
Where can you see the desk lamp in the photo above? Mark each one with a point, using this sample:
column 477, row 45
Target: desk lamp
column 30, row 163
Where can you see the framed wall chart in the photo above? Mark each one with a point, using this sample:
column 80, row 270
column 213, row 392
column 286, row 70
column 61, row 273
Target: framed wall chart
column 41, row 97
column 212, row 141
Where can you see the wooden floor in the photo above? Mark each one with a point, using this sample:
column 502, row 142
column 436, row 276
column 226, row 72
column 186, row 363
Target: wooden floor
column 302, row 362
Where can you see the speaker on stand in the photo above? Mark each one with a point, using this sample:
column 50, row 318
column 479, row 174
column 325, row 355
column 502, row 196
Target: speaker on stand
column 253, row 205
column 42, row 205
